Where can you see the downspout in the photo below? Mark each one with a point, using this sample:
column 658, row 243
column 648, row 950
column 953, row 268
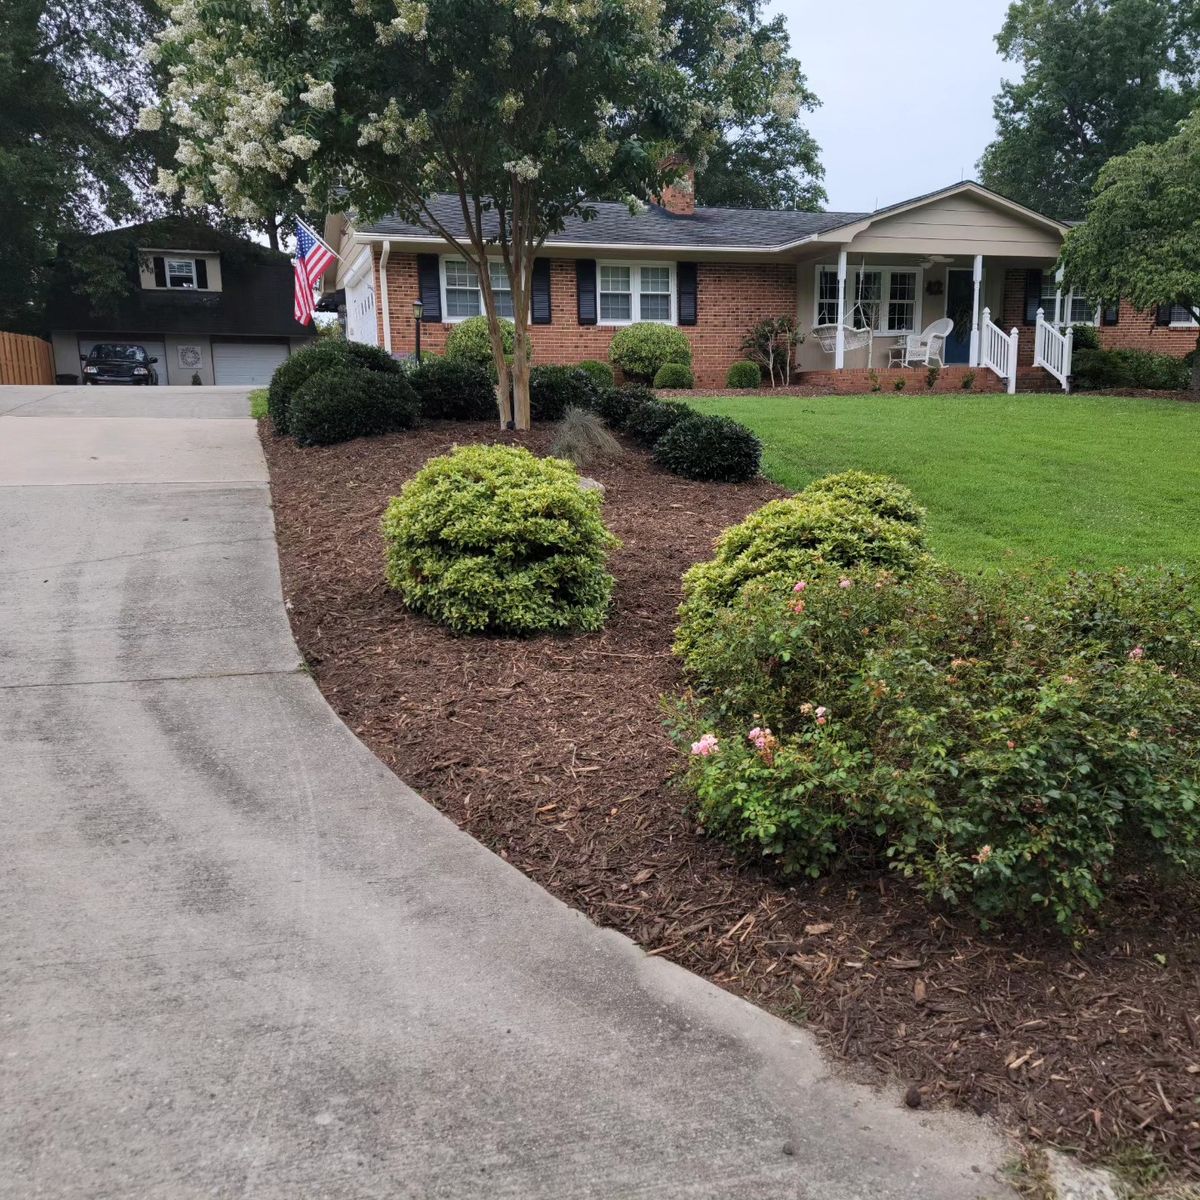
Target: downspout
column 385, row 307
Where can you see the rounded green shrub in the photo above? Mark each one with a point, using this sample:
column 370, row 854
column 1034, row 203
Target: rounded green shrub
column 453, row 390
column 641, row 349
column 710, row 447
column 318, row 356
column 1009, row 743
column 552, row 390
column 785, row 541
column 347, row 402
column 615, row 404
column 492, row 539
column 674, row 375
column 879, row 494
column 600, row 373
column 649, row 421
column 743, row 374
column 469, row 341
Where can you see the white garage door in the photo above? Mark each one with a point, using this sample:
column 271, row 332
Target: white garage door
column 249, row 363
column 154, row 349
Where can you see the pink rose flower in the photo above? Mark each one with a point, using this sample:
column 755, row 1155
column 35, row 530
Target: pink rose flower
column 845, row 583
column 800, row 586
column 706, row 746
column 1137, row 654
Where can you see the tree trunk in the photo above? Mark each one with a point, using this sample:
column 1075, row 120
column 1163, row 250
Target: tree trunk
column 273, row 233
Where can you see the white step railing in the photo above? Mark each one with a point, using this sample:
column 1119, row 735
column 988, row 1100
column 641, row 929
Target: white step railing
column 998, row 350
column 1052, row 350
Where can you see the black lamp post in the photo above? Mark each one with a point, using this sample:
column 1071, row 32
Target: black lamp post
column 418, row 311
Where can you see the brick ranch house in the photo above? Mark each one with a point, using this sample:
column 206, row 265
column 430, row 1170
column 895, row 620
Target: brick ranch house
column 962, row 252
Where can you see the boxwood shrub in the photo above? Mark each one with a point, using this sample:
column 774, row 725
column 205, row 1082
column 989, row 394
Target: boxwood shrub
column 600, row 373
column 615, row 404
column 649, row 421
column 469, row 341
column 347, row 402
column 552, row 390
column 710, row 447
column 674, row 375
column 492, row 539
column 743, row 374
column 641, row 349
column 320, row 355
column 453, row 390
column 1014, row 744
column 1128, row 369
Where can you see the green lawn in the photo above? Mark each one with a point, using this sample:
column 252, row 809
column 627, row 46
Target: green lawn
column 258, row 403
column 1084, row 480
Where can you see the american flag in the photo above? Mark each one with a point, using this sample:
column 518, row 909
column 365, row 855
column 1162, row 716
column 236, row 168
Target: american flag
column 312, row 257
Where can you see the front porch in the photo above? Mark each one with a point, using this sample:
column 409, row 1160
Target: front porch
column 975, row 268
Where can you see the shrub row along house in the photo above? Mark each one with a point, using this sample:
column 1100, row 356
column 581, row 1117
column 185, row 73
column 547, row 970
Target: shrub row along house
column 962, row 253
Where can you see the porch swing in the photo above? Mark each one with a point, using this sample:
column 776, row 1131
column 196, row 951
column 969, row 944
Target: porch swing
column 854, row 336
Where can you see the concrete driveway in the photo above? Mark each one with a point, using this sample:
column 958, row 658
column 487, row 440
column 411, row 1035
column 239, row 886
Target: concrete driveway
column 239, row 958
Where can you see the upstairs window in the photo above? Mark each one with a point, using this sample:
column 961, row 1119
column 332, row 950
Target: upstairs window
column 181, row 272
column 176, row 271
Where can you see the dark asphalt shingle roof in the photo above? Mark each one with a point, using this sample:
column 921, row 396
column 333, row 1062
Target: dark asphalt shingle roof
column 615, row 225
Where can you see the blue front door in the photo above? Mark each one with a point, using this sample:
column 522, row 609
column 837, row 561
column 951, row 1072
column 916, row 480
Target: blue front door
column 960, row 305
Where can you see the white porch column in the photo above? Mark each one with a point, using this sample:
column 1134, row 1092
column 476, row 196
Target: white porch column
column 1068, row 309
column 839, row 353
column 1058, row 278
column 977, row 276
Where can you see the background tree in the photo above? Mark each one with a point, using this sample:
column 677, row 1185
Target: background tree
column 522, row 110
column 764, row 157
column 1098, row 78
column 1141, row 238
column 71, row 159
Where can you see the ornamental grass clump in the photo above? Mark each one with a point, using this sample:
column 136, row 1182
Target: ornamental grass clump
column 491, row 539
column 583, row 440
column 1008, row 744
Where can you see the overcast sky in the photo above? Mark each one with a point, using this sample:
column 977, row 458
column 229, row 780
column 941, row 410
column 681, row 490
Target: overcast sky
column 906, row 91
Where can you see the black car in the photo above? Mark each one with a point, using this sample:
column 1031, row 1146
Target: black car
column 118, row 362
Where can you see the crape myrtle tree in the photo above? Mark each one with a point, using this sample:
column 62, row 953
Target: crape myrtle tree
column 523, row 109
column 1141, row 238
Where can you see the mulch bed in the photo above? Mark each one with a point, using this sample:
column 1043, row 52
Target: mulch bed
column 552, row 752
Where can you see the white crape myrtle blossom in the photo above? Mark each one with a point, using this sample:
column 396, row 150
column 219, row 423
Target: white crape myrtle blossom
column 150, row 120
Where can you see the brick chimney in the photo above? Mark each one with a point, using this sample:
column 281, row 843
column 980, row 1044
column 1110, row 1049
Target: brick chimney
column 679, row 197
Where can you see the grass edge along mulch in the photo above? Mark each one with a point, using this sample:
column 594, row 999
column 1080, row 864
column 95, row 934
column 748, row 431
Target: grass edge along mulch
column 552, row 752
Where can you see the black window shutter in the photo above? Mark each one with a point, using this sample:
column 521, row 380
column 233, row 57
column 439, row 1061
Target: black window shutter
column 685, row 279
column 1033, row 295
column 1163, row 315
column 160, row 271
column 201, row 273
column 1110, row 314
column 540, row 299
column 429, row 283
column 585, row 289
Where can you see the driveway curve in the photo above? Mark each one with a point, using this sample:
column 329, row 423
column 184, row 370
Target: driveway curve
column 238, row 958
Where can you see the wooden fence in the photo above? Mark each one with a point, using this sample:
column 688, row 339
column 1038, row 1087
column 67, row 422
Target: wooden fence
column 25, row 359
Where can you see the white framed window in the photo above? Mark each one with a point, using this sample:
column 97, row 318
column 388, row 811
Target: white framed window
column 1181, row 317
column 181, row 272
column 1083, row 311
column 461, row 295
column 629, row 292
column 884, row 299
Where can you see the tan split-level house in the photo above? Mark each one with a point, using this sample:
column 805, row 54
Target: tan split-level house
column 858, row 283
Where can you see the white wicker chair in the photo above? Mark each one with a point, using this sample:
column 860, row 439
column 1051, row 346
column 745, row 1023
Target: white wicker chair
column 926, row 348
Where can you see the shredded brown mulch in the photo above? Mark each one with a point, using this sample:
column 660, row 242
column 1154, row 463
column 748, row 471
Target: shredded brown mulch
column 552, row 751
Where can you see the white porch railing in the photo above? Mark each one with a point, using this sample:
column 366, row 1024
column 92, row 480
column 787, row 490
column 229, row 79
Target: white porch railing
column 998, row 350
column 1052, row 350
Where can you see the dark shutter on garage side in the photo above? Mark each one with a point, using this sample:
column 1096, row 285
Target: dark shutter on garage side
column 685, row 279
column 429, row 285
column 1163, row 315
column 1033, row 295
column 539, row 307
column 585, row 290
column 160, row 271
column 201, row 273
column 1110, row 314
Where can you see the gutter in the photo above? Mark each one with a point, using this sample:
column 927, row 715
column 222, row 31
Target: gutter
column 383, row 296
column 372, row 239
